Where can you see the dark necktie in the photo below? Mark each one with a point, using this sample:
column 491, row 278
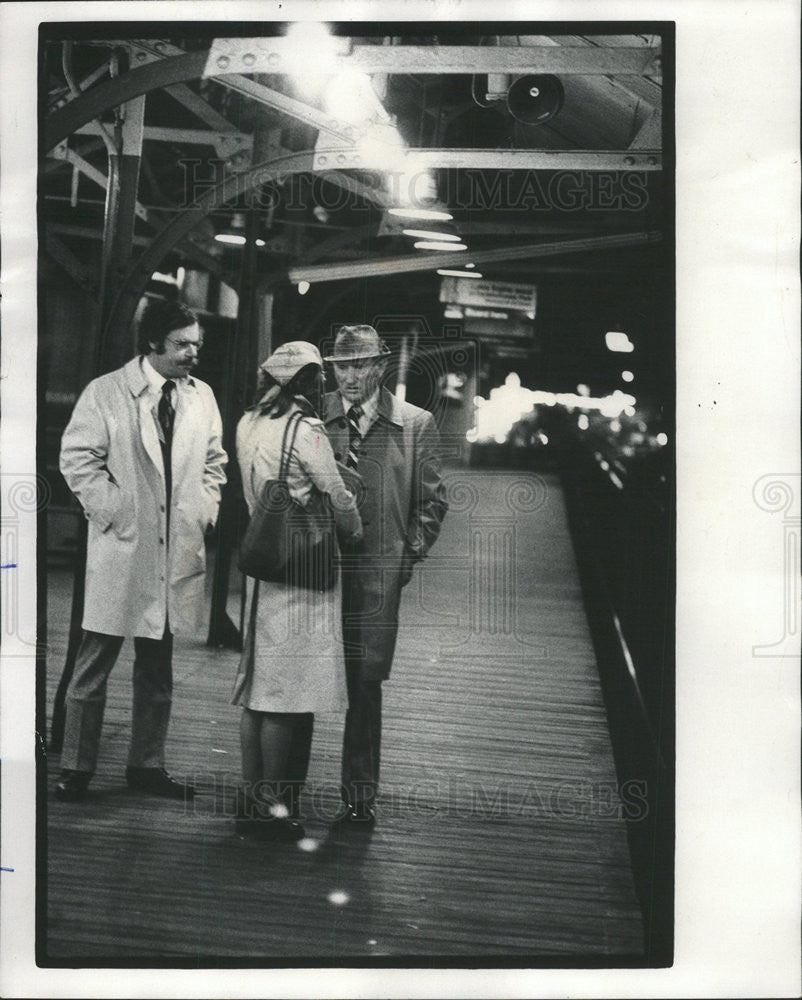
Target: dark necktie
column 354, row 436
column 166, row 418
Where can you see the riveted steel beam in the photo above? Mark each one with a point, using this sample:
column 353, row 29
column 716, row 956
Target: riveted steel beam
column 118, row 90
column 63, row 152
column 274, row 171
column 164, row 73
column 190, row 136
column 429, row 262
column 280, row 55
column 501, row 159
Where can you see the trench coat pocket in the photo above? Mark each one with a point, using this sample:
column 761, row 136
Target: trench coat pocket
column 123, row 517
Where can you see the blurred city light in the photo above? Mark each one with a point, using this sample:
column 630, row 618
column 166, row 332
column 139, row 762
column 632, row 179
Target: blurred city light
column 627, row 376
column 618, row 341
column 508, row 403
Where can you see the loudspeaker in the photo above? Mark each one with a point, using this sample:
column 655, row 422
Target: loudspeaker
column 535, row 99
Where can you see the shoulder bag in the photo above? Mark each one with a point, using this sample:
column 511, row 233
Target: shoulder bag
column 286, row 542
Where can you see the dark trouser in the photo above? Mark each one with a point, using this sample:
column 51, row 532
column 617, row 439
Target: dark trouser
column 362, row 739
column 86, row 700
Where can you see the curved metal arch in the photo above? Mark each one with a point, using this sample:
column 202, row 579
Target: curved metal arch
column 136, row 278
column 112, row 93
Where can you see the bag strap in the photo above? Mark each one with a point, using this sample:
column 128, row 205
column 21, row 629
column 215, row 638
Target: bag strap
column 286, row 452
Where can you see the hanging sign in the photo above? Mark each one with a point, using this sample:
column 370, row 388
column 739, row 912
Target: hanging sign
column 490, row 294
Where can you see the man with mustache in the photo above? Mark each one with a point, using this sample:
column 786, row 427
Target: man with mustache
column 143, row 454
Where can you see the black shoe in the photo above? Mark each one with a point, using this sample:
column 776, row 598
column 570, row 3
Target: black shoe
column 72, row 785
column 158, row 782
column 358, row 814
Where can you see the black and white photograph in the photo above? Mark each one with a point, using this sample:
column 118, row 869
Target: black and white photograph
column 359, row 477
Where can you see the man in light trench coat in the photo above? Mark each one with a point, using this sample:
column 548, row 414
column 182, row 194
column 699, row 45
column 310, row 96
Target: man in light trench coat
column 142, row 453
column 394, row 448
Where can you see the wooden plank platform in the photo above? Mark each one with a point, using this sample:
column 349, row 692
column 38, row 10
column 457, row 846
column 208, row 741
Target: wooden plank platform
column 499, row 833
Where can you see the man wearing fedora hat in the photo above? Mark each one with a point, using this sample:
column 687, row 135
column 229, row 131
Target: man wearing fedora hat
column 393, row 447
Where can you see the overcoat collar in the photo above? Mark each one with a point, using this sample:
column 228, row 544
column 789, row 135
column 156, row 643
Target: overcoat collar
column 138, row 385
column 137, row 381
column 388, row 408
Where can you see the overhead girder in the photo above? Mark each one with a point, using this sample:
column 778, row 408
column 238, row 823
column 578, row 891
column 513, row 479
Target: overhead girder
column 280, row 55
column 118, row 90
column 272, row 171
column 351, row 158
column 431, row 261
column 168, row 70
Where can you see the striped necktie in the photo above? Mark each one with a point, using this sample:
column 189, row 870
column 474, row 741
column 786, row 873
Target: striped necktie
column 354, row 436
column 166, row 411
column 166, row 419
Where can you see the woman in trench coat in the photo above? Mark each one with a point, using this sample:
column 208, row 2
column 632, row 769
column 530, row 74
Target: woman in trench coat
column 292, row 664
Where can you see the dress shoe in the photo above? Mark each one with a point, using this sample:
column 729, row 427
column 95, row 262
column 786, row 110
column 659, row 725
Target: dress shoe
column 158, row 782
column 358, row 814
column 72, row 785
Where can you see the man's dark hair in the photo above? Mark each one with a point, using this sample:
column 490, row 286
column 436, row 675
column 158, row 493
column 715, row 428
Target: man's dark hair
column 158, row 320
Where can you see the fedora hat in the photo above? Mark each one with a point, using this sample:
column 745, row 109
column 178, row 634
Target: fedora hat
column 355, row 343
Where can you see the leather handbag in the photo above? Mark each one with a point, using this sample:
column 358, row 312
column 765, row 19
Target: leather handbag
column 286, row 542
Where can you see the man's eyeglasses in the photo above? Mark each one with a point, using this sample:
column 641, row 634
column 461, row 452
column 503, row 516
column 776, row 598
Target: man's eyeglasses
column 184, row 345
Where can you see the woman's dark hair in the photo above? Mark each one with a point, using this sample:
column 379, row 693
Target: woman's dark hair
column 159, row 320
column 303, row 383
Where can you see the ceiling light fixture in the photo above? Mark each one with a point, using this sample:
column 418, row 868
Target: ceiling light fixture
column 232, row 239
column 432, row 234
column 419, row 212
column 234, row 235
column 434, row 245
column 448, row 273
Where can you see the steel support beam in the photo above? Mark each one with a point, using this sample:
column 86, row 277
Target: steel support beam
column 191, row 136
column 240, row 366
column 502, row 159
column 112, row 347
column 119, row 90
column 650, row 134
column 273, row 171
column 67, row 260
column 280, row 55
column 63, row 152
column 431, row 261
column 164, row 73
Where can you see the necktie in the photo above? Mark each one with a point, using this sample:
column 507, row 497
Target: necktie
column 166, row 418
column 354, row 436
column 166, row 412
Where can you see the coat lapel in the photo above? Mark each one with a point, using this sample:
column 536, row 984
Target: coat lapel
column 138, row 386
column 185, row 425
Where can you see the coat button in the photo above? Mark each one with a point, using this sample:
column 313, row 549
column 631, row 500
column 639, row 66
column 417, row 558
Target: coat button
column 162, row 508
column 161, row 541
column 338, row 455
